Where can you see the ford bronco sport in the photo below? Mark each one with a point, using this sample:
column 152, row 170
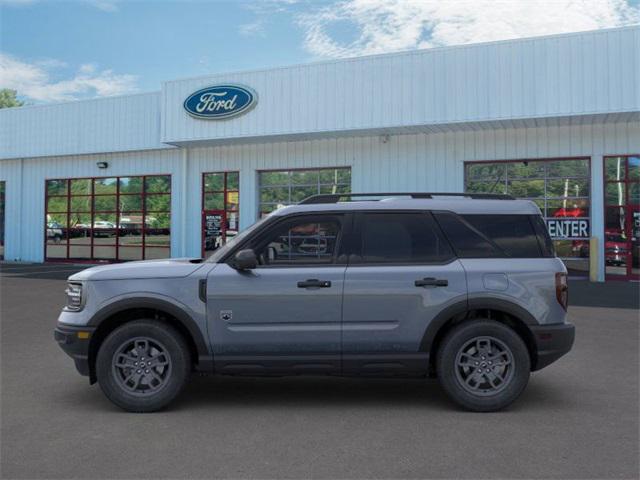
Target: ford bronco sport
column 466, row 288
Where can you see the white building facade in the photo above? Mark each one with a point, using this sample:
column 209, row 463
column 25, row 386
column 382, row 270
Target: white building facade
column 555, row 119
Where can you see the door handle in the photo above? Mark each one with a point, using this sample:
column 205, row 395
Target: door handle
column 432, row 282
column 314, row 283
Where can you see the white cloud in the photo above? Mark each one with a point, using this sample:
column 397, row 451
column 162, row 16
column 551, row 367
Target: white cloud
column 391, row 25
column 252, row 28
column 104, row 5
column 35, row 82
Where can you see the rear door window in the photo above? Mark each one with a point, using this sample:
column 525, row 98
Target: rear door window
column 400, row 238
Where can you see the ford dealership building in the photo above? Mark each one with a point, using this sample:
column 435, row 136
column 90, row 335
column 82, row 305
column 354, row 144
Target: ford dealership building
column 176, row 172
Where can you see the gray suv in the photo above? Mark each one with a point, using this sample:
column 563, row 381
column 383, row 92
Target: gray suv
column 466, row 288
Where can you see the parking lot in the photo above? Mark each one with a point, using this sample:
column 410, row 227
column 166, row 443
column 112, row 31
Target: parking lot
column 577, row 419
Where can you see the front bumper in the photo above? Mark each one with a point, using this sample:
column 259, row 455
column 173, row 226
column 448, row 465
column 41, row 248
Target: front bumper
column 552, row 342
column 75, row 343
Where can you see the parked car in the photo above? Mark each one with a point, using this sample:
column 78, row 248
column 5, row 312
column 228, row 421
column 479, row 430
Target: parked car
column 102, row 228
column 615, row 249
column 54, row 232
column 466, row 288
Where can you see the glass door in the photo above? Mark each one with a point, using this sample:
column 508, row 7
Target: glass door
column 220, row 209
column 622, row 217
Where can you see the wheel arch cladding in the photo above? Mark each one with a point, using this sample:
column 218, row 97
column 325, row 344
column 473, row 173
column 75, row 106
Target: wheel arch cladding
column 124, row 311
column 502, row 311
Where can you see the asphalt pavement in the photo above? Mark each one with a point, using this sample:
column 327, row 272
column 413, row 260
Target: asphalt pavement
column 578, row 418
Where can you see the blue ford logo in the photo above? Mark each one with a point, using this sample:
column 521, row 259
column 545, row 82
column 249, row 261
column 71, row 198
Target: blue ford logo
column 220, row 101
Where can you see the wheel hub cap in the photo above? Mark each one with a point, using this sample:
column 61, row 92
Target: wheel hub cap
column 141, row 366
column 484, row 366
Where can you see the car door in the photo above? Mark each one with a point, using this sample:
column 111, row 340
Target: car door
column 401, row 275
column 285, row 315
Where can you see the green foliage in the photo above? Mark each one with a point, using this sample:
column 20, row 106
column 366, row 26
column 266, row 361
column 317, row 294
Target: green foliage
column 8, row 98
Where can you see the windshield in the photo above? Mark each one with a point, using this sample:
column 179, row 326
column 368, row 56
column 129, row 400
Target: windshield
column 222, row 251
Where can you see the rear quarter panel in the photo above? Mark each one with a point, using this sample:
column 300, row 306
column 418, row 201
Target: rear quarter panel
column 528, row 283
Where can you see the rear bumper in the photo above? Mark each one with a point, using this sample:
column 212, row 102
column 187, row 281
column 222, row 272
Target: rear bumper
column 552, row 342
column 74, row 345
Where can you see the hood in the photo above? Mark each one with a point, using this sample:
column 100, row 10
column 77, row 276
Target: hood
column 165, row 268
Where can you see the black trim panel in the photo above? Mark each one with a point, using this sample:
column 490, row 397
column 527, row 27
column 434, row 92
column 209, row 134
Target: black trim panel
column 504, row 306
column 552, row 342
column 386, row 364
column 204, row 357
column 457, row 309
column 278, row 365
column 76, row 348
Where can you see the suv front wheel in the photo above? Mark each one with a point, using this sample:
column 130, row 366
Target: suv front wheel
column 143, row 365
column 483, row 365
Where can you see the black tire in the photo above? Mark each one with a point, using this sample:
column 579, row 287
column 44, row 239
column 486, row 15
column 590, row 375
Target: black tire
column 162, row 384
column 458, row 352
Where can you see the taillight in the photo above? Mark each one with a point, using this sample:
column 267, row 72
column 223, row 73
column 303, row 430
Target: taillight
column 562, row 289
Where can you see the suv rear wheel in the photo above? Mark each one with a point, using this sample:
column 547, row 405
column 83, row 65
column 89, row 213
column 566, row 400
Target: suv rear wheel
column 143, row 365
column 483, row 365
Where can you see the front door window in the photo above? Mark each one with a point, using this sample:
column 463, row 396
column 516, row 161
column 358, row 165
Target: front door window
column 622, row 217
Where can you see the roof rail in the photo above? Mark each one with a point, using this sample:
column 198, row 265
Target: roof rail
column 335, row 197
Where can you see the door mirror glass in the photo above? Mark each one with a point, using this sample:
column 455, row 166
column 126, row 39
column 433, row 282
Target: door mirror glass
column 245, row 260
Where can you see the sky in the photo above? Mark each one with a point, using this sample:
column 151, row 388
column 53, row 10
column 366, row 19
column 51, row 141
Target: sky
column 54, row 50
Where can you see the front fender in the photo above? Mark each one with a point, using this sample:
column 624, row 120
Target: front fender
column 182, row 313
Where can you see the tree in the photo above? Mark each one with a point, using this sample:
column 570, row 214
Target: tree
column 8, row 98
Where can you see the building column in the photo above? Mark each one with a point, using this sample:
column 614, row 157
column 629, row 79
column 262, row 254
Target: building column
column 597, row 211
column 248, row 197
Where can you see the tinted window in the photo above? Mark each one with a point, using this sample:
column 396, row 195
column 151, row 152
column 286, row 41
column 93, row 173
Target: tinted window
column 301, row 241
column 467, row 242
column 401, row 238
column 514, row 234
column 544, row 240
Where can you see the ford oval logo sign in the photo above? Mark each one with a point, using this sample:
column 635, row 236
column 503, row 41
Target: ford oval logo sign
column 220, row 101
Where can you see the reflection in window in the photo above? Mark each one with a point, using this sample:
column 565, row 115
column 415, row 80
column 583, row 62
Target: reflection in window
column 286, row 187
column 301, row 243
column 106, row 219
column 560, row 188
column 220, row 205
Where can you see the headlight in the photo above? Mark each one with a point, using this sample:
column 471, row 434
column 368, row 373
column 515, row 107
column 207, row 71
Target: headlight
column 74, row 296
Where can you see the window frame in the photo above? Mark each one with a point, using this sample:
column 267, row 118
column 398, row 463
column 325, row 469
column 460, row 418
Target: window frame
column 556, row 241
column 289, row 185
column 225, row 191
column 92, row 213
column 356, row 240
column 627, row 207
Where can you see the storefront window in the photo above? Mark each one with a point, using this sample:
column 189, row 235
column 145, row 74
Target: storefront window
column 220, row 209
column 622, row 217
column 108, row 219
column 285, row 187
column 560, row 188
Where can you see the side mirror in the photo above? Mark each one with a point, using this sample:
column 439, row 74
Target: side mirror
column 245, row 260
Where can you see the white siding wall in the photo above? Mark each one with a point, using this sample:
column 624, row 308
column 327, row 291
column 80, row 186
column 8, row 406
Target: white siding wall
column 431, row 162
column 112, row 124
column 25, row 195
column 557, row 76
